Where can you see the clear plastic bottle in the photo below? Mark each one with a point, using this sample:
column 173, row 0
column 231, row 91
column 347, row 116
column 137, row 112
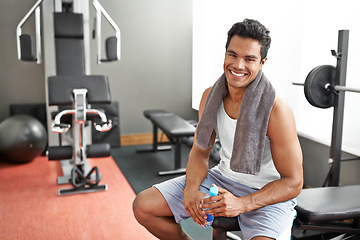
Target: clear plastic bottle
column 209, row 217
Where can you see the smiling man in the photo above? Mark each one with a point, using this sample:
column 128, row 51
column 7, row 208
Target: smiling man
column 260, row 171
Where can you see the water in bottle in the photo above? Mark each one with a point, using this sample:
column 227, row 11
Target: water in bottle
column 209, row 217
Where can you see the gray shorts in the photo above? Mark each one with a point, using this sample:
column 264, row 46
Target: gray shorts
column 270, row 221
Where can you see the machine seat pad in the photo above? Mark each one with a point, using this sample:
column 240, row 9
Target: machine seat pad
column 95, row 150
column 60, row 89
column 329, row 203
column 173, row 125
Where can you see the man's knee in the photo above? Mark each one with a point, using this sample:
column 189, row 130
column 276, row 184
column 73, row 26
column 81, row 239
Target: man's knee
column 150, row 203
column 140, row 206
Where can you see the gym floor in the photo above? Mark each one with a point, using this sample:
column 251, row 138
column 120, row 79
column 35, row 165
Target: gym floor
column 141, row 170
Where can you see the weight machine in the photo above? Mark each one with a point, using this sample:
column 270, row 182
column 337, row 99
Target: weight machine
column 72, row 90
column 333, row 210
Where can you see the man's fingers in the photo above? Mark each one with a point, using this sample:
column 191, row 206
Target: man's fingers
column 200, row 217
column 197, row 214
column 221, row 190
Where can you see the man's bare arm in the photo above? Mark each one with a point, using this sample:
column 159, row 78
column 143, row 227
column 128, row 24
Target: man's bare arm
column 196, row 171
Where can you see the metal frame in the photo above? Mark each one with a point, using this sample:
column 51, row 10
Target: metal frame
column 101, row 11
column 35, row 8
column 338, row 116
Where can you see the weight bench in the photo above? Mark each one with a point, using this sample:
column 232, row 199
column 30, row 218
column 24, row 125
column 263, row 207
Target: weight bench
column 175, row 128
column 155, row 144
column 330, row 210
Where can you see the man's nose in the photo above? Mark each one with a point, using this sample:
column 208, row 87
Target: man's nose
column 239, row 63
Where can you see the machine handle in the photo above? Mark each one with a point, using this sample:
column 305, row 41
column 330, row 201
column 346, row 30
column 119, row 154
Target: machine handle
column 59, row 127
column 103, row 126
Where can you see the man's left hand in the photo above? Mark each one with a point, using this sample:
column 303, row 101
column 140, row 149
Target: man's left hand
column 225, row 204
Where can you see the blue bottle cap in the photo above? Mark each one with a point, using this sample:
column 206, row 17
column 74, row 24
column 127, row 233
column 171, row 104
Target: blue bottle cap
column 209, row 217
column 213, row 191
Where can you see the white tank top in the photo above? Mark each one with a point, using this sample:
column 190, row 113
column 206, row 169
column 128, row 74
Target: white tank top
column 225, row 131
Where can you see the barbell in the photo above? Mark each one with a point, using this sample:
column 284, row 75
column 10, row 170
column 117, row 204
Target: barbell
column 319, row 87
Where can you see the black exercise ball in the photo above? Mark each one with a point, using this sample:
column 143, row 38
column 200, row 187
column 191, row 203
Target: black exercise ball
column 22, row 138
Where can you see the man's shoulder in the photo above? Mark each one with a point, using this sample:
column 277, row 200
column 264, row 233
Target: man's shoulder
column 205, row 94
column 280, row 103
column 281, row 115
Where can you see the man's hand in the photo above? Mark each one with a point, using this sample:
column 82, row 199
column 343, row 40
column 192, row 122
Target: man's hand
column 225, row 204
column 192, row 200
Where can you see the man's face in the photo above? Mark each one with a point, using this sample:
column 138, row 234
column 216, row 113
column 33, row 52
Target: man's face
column 242, row 61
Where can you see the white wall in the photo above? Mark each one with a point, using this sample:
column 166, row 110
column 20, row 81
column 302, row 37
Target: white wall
column 303, row 33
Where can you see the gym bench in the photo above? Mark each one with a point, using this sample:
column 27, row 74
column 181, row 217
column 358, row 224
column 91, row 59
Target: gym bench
column 155, row 144
column 175, row 128
column 330, row 211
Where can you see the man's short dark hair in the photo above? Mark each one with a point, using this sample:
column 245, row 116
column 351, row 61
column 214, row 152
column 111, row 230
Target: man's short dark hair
column 253, row 29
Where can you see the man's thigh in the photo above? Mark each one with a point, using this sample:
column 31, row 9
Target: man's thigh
column 272, row 221
column 173, row 192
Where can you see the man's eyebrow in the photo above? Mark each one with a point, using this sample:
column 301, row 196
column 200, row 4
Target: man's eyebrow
column 247, row 56
column 231, row 51
column 252, row 56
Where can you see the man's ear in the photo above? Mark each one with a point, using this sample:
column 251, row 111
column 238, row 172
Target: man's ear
column 263, row 61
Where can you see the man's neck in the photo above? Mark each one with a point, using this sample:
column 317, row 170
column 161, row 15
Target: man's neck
column 235, row 94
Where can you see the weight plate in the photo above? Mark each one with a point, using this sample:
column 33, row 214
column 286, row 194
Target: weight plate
column 314, row 87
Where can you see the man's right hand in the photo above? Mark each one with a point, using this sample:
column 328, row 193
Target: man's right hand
column 192, row 201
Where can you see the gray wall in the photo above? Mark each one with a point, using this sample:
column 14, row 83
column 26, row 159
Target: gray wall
column 316, row 165
column 154, row 72
column 20, row 82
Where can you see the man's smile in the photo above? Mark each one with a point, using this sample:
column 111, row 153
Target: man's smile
column 238, row 74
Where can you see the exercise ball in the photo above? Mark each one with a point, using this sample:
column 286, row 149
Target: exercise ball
column 22, row 138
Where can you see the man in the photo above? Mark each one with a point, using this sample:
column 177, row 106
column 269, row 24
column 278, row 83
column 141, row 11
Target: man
column 263, row 199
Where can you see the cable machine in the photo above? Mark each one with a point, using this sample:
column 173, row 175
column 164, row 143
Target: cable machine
column 71, row 91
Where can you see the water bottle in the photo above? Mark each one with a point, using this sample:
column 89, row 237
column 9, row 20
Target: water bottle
column 209, row 217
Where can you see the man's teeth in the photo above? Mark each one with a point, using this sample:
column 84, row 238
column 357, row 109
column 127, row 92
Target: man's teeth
column 238, row 74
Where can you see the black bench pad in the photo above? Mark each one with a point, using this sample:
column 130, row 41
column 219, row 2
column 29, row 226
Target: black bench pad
column 172, row 125
column 329, row 203
column 149, row 113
